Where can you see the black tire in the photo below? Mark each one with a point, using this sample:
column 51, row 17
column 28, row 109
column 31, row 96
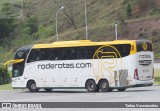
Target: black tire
column 32, row 86
column 104, row 86
column 122, row 89
column 48, row 90
column 91, row 86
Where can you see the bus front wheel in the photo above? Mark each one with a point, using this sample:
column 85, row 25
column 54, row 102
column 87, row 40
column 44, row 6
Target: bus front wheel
column 32, row 86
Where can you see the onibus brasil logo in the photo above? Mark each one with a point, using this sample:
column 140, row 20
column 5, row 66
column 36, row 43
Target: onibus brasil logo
column 106, row 61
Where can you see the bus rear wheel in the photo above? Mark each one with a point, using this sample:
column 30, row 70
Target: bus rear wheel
column 32, row 86
column 104, row 86
column 91, row 86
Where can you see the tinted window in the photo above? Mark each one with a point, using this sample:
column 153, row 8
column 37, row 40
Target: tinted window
column 62, row 54
column 124, row 49
column 22, row 53
column 114, row 51
column 55, row 54
column 75, row 53
column 18, row 68
column 38, row 54
column 34, row 56
column 72, row 53
column 88, row 52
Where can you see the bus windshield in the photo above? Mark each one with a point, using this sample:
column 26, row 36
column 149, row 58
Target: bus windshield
column 22, row 53
column 18, row 68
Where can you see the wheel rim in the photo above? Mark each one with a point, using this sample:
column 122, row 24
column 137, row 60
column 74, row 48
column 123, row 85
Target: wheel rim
column 104, row 85
column 33, row 86
column 91, row 86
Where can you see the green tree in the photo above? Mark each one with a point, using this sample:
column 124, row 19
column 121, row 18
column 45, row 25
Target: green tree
column 6, row 27
column 4, row 75
column 7, row 7
column 31, row 25
column 129, row 10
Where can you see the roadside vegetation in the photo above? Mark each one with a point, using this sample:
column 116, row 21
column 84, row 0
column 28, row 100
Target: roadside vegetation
column 5, row 76
column 137, row 19
column 157, row 76
column 5, row 87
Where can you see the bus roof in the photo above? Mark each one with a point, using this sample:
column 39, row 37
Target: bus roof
column 81, row 43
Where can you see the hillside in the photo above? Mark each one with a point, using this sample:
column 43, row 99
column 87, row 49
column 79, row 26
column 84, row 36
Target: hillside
column 137, row 19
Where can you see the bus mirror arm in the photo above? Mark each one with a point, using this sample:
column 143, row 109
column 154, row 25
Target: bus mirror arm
column 12, row 61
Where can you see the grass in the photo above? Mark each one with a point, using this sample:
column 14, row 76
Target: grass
column 157, row 76
column 5, row 87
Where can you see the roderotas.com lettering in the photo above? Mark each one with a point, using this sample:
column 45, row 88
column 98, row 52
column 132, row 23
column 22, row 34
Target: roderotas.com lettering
column 64, row 65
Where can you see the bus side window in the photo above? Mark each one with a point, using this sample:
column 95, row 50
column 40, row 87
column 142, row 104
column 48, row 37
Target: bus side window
column 67, row 53
column 79, row 53
column 88, row 52
column 72, row 54
column 44, row 54
column 83, row 52
column 93, row 51
column 53, row 54
column 123, row 49
column 35, row 55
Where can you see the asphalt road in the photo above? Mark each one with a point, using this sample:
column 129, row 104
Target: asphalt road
column 142, row 94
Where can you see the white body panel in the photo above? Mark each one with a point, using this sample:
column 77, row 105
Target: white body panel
column 119, row 72
column 145, row 65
